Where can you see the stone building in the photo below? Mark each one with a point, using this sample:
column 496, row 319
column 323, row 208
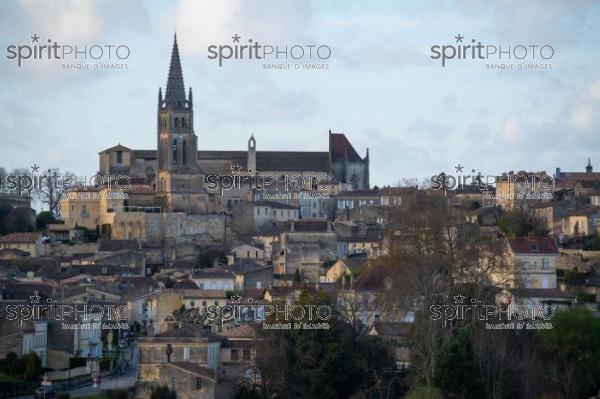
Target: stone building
column 304, row 246
column 184, row 359
column 182, row 177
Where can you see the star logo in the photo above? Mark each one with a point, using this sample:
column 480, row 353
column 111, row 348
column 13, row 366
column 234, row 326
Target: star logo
column 35, row 298
column 460, row 298
column 459, row 38
column 459, row 168
column 236, row 298
column 236, row 168
column 236, row 38
column 35, row 38
column 35, row 168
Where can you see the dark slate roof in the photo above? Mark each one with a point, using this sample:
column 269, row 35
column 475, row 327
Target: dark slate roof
column 213, row 273
column 118, row 245
column 273, row 160
column 175, row 91
column 145, row 154
column 185, row 284
column 273, row 229
column 359, row 193
column 309, row 226
column 247, row 266
column 392, row 329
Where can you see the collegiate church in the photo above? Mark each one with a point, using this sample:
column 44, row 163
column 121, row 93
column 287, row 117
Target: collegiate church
column 177, row 171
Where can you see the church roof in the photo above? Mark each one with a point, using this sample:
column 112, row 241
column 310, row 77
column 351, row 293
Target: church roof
column 340, row 148
column 273, row 160
column 146, row 154
column 175, row 92
column 117, row 147
column 265, row 160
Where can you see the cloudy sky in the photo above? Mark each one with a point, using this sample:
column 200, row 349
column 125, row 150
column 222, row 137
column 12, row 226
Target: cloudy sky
column 381, row 87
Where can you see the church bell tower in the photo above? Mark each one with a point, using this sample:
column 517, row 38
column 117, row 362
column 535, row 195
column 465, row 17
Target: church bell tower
column 178, row 171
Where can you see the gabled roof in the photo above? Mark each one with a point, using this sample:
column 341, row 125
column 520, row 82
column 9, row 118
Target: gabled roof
column 194, row 368
column 340, row 148
column 117, row 147
column 20, row 238
column 247, row 266
column 533, row 246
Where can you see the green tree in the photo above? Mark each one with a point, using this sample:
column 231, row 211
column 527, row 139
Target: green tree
column 572, row 347
column 10, row 364
column 310, row 363
column 247, row 392
column 163, row 393
column 517, row 223
column 380, row 377
column 456, row 372
column 44, row 219
column 33, row 367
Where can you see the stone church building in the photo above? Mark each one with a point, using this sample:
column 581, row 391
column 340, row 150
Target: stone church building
column 177, row 171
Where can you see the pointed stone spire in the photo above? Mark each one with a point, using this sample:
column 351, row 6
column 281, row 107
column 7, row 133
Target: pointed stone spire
column 589, row 167
column 159, row 96
column 175, row 92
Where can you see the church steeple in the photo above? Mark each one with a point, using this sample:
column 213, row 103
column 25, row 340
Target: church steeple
column 177, row 143
column 175, row 92
column 589, row 167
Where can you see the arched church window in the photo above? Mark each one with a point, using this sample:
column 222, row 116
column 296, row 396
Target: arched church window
column 183, row 153
column 176, row 122
column 175, row 151
column 354, row 181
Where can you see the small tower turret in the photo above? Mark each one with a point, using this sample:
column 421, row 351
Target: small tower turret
column 251, row 155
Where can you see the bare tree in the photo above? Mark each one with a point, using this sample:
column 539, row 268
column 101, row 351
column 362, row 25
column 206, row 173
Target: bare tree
column 53, row 186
